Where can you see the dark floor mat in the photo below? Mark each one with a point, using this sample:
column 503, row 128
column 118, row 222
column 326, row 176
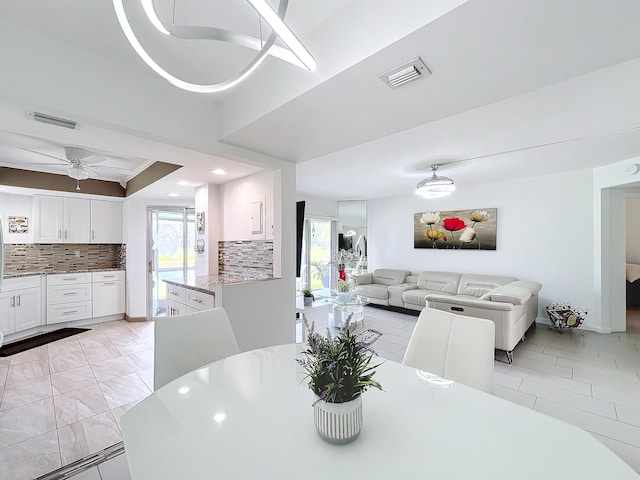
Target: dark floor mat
column 39, row 340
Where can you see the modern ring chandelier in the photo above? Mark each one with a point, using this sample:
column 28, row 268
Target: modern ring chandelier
column 294, row 53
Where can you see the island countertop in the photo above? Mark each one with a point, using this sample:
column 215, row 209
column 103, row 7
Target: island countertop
column 208, row 283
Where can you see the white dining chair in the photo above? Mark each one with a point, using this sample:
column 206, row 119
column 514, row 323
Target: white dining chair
column 186, row 342
column 452, row 346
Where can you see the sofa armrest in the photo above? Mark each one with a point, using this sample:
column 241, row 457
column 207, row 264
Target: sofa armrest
column 468, row 302
column 364, row 279
column 508, row 294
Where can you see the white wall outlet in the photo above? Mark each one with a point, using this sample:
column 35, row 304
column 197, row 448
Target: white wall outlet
column 632, row 169
column 77, row 253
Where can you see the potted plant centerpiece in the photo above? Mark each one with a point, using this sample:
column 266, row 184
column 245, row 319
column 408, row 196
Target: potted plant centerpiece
column 307, row 297
column 343, row 288
column 339, row 370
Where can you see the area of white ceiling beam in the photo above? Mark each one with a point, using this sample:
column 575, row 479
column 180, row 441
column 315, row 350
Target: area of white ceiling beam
column 584, row 122
column 352, row 33
column 480, row 53
column 60, row 78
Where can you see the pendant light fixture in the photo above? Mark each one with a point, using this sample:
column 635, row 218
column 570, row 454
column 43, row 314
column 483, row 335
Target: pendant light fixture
column 293, row 52
column 435, row 186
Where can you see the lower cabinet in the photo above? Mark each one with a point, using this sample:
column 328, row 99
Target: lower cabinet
column 20, row 304
column 181, row 300
column 69, row 297
column 108, row 293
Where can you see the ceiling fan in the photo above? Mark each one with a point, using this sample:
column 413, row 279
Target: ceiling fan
column 80, row 163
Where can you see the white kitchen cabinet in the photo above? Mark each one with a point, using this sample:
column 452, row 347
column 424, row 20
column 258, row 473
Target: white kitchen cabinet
column 69, row 297
column 106, row 221
column 108, row 293
column 61, row 219
column 47, row 219
column 181, row 300
column 76, row 220
column 20, row 304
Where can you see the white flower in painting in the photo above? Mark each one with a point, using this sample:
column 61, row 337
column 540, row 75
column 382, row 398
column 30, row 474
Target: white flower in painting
column 430, row 218
column 479, row 216
column 467, row 235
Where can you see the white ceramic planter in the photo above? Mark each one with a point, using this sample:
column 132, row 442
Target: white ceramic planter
column 338, row 423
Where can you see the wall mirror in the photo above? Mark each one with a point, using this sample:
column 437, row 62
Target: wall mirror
column 352, row 230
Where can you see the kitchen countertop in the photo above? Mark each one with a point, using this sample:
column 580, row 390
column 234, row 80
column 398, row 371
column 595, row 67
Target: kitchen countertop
column 31, row 274
column 208, row 283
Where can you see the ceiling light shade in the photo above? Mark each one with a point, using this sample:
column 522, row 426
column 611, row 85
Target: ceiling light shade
column 78, row 172
column 435, row 186
column 294, row 52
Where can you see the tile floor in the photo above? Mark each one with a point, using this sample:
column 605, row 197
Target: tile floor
column 63, row 401
column 56, row 410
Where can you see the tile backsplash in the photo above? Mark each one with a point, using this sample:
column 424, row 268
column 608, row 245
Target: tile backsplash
column 246, row 257
column 60, row 258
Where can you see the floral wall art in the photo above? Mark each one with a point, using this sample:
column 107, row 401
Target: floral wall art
column 456, row 230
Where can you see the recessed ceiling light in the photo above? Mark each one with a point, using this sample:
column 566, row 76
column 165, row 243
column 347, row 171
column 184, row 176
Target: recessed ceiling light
column 218, row 171
column 184, row 183
column 173, row 194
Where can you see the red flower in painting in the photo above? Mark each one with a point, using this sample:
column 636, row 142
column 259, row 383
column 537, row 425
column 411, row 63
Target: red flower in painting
column 453, row 224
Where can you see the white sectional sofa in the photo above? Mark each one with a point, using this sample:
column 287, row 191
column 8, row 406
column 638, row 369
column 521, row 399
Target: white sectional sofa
column 510, row 303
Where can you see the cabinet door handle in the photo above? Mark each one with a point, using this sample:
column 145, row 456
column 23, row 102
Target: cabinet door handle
column 109, row 276
column 18, row 302
column 109, row 283
column 93, row 234
column 69, row 294
column 60, row 233
column 13, row 301
column 69, row 278
column 70, row 312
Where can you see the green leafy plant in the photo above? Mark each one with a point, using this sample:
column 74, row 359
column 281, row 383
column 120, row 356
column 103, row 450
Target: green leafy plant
column 343, row 286
column 307, row 293
column 339, row 368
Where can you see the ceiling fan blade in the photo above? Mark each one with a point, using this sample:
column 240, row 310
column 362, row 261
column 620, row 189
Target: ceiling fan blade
column 42, row 164
column 101, row 167
column 45, row 155
column 79, row 154
column 99, row 159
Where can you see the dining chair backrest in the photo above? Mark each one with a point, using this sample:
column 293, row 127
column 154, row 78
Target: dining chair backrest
column 453, row 346
column 186, row 342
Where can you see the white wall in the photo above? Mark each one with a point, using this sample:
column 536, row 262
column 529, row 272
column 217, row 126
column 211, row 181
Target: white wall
column 208, row 201
column 236, row 198
column 16, row 205
column 544, row 233
column 319, row 207
column 633, row 230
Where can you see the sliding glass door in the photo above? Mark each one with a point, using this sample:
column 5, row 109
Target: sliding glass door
column 170, row 253
column 318, row 245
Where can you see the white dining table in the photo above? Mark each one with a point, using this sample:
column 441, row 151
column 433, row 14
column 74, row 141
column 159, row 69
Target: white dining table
column 250, row 416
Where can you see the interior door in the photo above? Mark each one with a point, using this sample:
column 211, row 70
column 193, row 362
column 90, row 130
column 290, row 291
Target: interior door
column 171, row 255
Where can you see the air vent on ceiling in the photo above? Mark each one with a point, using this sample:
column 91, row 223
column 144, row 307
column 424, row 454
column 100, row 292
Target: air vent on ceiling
column 51, row 120
column 407, row 72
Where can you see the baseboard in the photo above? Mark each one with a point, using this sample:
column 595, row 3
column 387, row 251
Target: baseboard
column 392, row 308
column 134, row 319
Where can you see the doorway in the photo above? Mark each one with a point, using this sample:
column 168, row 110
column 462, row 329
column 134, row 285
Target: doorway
column 171, row 233
column 318, row 247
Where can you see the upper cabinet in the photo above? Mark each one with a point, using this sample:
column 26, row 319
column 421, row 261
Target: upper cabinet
column 76, row 220
column 106, row 222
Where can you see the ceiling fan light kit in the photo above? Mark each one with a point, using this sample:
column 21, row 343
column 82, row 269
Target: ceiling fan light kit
column 295, row 52
column 435, row 186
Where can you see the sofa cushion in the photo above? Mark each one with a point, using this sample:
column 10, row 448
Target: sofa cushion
column 386, row 276
column 417, row 296
column 445, row 282
column 478, row 285
column 508, row 294
column 374, row 290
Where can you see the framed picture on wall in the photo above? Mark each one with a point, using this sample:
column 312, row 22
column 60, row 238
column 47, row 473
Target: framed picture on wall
column 456, row 229
column 18, row 224
column 200, row 222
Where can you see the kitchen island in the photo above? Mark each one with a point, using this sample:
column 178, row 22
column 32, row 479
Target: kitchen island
column 257, row 306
